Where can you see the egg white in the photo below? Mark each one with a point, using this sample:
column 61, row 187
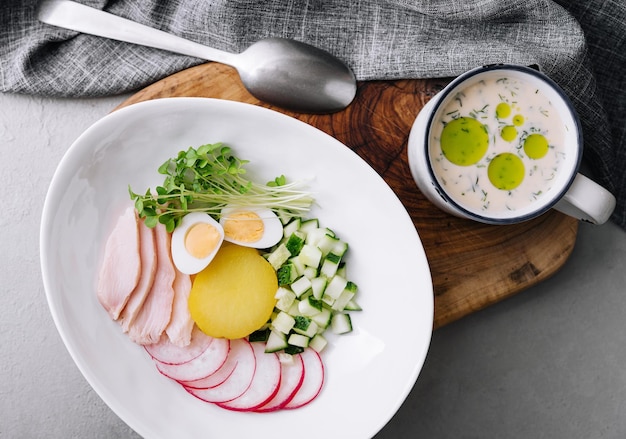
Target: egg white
column 185, row 262
column 272, row 227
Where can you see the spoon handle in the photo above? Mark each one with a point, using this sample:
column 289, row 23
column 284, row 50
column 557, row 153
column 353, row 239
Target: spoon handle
column 75, row 16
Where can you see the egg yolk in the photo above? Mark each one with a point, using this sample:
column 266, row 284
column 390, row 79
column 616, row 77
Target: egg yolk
column 201, row 239
column 244, row 226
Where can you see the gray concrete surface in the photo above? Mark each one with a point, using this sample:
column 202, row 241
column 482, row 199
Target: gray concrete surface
column 547, row 363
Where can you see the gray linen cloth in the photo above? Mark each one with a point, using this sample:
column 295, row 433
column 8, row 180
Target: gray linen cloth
column 581, row 44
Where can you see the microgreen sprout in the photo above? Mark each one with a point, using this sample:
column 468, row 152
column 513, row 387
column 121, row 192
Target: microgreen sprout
column 209, row 178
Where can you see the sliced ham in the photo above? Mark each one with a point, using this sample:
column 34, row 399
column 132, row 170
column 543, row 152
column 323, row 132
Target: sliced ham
column 181, row 324
column 121, row 267
column 147, row 250
column 156, row 312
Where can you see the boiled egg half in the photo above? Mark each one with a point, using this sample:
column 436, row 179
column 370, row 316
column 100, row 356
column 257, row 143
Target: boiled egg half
column 251, row 227
column 195, row 242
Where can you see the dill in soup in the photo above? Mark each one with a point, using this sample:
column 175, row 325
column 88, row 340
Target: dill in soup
column 497, row 145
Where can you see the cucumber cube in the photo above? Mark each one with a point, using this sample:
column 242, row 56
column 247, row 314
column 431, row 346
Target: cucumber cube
column 318, row 285
column 275, row 342
column 322, row 319
column 310, row 306
column 298, row 264
column 311, row 256
column 283, row 322
column 310, row 272
column 286, row 274
column 341, row 323
column 298, row 340
column 330, row 265
column 318, row 343
column 291, row 227
column 295, row 242
column 301, row 285
column 284, row 298
column 336, row 285
column 305, row 326
column 309, row 225
column 279, row 256
column 352, row 305
column 327, row 243
column 343, row 299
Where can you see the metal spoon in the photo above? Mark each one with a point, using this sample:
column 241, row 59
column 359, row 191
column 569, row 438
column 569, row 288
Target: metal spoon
column 283, row 72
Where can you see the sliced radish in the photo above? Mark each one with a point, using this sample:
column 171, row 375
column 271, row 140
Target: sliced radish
column 205, row 364
column 265, row 382
column 238, row 381
column 313, row 380
column 218, row 377
column 168, row 353
column 292, row 377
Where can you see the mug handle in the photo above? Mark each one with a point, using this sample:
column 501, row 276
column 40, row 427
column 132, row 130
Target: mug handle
column 587, row 201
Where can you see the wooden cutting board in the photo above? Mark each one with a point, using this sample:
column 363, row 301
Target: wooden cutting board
column 472, row 265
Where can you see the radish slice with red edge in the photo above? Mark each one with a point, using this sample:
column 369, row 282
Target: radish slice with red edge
column 218, row 377
column 313, row 380
column 168, row 353
column 292, row 377
column 205, row 364
column 265, row 382
column 239, row 380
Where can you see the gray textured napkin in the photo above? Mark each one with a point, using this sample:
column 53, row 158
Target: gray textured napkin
column 581, row 44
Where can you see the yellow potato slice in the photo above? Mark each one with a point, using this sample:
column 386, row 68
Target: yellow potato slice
column 234, row 295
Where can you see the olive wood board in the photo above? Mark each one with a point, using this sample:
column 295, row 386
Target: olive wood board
column 473, row 265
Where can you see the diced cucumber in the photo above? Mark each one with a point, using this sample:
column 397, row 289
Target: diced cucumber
column 341, row 271
column 279, row 256
column 307, row 225
column 327, row 243
column 336, row 285
column 276, row 341
column 310, row 255
column 322, row 319
column 286, row 274
column 293, row 350
column 294, row 309
column 297, row 262
column 330, row 265
column 283, row 322
column 298, row 340
column 301, row 286
column 343, row 299
column 314, row 236
column 352, row 305
column 291, row 227
column 284, row 298
column 305, row 326
column 310, row 306
column 259, row 335
column 341, row 323
column 295, row 242
column 318, row 343
column 318, row 285
column 314, row 292
column 310, row 272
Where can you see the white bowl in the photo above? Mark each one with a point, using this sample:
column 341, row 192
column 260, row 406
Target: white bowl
column 369, row 371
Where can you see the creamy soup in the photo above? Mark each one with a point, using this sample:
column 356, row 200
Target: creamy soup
column 497, row 145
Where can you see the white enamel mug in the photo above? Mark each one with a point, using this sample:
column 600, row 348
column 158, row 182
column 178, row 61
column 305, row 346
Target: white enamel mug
column 502, row 144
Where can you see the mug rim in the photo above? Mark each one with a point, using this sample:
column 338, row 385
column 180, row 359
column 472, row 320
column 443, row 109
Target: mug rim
column 452, row 86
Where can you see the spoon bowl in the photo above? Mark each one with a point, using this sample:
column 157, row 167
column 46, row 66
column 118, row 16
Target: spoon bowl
column 279, row 71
